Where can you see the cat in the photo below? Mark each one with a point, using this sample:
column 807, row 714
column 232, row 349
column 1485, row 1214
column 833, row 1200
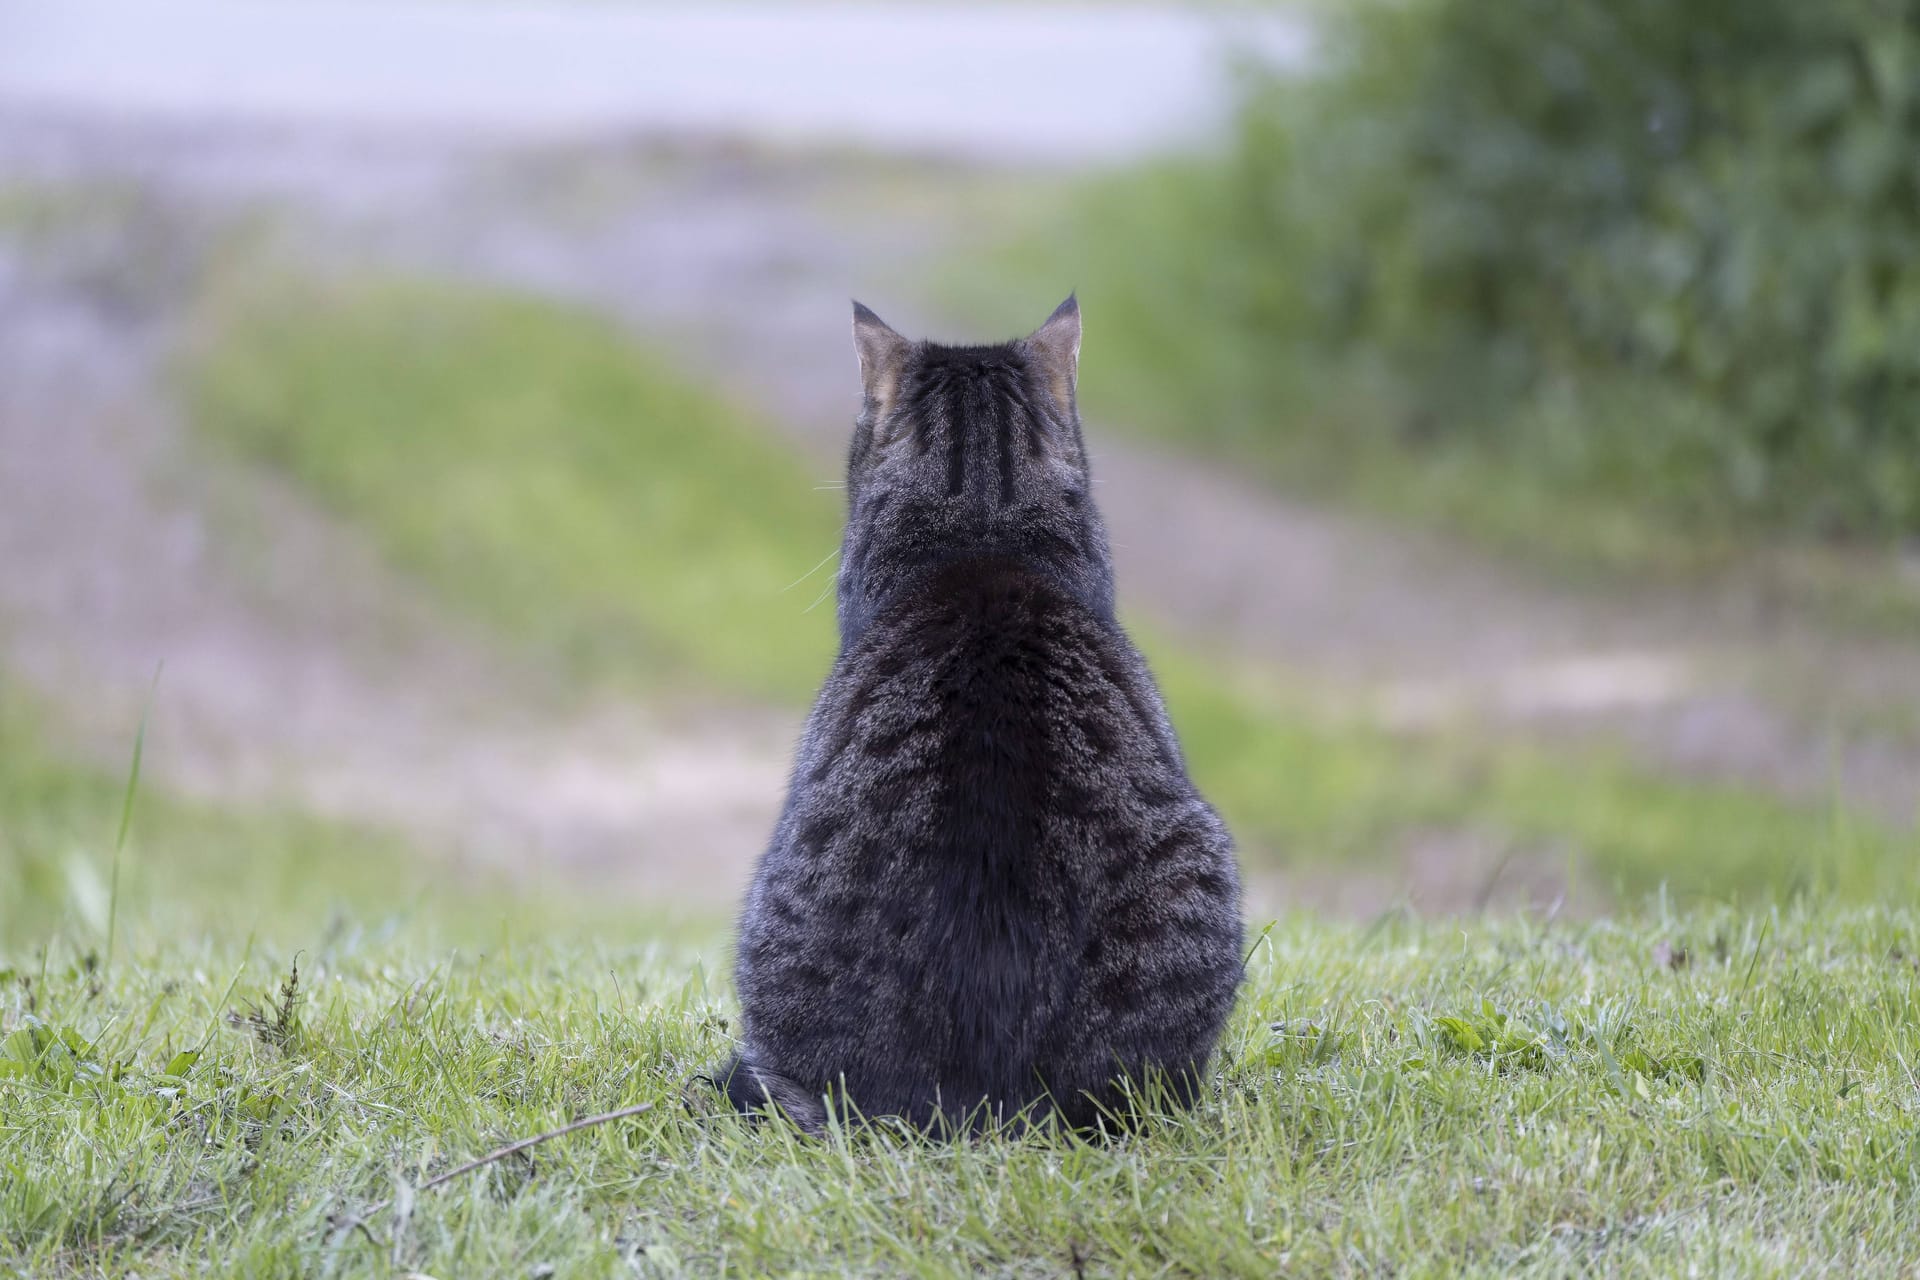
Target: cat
column 993, row 893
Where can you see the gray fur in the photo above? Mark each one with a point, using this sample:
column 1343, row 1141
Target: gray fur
column 993, row 891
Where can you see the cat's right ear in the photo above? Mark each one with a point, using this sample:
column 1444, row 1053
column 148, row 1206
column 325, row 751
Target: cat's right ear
column 1055, row 345
column 883, row 358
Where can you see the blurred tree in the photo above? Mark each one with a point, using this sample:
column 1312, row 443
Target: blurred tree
column 1697, row 222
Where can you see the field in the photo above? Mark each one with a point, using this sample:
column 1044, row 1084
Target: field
column 240, row 1041
column 418, row 531
column 243, row 1046
column 1672, row 1089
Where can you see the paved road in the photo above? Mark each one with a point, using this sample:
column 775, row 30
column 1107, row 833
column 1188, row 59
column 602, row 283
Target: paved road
column 1016, row 83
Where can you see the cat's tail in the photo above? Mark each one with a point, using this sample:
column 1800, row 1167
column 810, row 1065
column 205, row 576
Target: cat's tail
column 749, row 1087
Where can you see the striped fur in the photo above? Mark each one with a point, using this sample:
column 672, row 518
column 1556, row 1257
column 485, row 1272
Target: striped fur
column 993, row 891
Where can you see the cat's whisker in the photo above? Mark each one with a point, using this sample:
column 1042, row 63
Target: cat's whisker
column 824, row 593
column 809, row 573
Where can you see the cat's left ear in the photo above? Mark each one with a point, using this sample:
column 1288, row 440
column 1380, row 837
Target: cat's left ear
column 883, row 355
column 1055, row 346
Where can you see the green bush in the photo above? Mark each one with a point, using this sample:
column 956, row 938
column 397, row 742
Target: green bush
column 1665, row 248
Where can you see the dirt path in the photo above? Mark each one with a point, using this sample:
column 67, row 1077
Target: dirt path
column 358, row 701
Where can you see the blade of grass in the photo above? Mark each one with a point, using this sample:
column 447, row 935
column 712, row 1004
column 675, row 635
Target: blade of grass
column 126, row 813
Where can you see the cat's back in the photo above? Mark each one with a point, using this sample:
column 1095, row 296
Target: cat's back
column 992, row 880
column 998, row 711
column 992, row 856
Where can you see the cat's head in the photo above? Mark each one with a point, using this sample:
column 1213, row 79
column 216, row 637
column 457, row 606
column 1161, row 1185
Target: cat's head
column 968, row 453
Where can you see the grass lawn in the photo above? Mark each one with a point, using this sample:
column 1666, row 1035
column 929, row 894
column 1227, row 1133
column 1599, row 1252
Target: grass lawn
column 245, row 1044
column 1715, row 1091
column 535, row 468
column 254, row 1055
column 286, row 1042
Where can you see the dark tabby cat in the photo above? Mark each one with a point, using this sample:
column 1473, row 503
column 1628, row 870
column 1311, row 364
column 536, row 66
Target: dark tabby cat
column 993, row 891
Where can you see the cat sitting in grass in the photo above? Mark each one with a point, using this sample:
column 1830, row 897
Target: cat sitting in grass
column 993, row 895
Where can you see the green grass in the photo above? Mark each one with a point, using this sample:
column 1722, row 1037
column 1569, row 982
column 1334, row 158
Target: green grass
column 537, row 469
column 302, row 1023
column 1703, row 1086
column 188, row 866
column 1699, row 1086
column 534, row 467
column 58, row 829
column 1728, row 1093
column 1308, row 792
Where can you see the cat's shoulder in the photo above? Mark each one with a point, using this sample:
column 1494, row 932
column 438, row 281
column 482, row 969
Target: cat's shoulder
column 992, row 603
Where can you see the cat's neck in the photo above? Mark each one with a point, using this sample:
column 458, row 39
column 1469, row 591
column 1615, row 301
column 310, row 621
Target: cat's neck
column 943, row 577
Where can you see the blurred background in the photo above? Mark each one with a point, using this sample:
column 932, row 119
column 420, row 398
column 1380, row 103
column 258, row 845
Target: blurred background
column 421, row 429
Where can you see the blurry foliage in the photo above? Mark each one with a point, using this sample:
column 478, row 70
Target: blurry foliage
column 1723, row 195
column 1663, row 251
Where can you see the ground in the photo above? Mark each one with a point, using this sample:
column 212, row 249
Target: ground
column 1718, row 1092
column 443, row 802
